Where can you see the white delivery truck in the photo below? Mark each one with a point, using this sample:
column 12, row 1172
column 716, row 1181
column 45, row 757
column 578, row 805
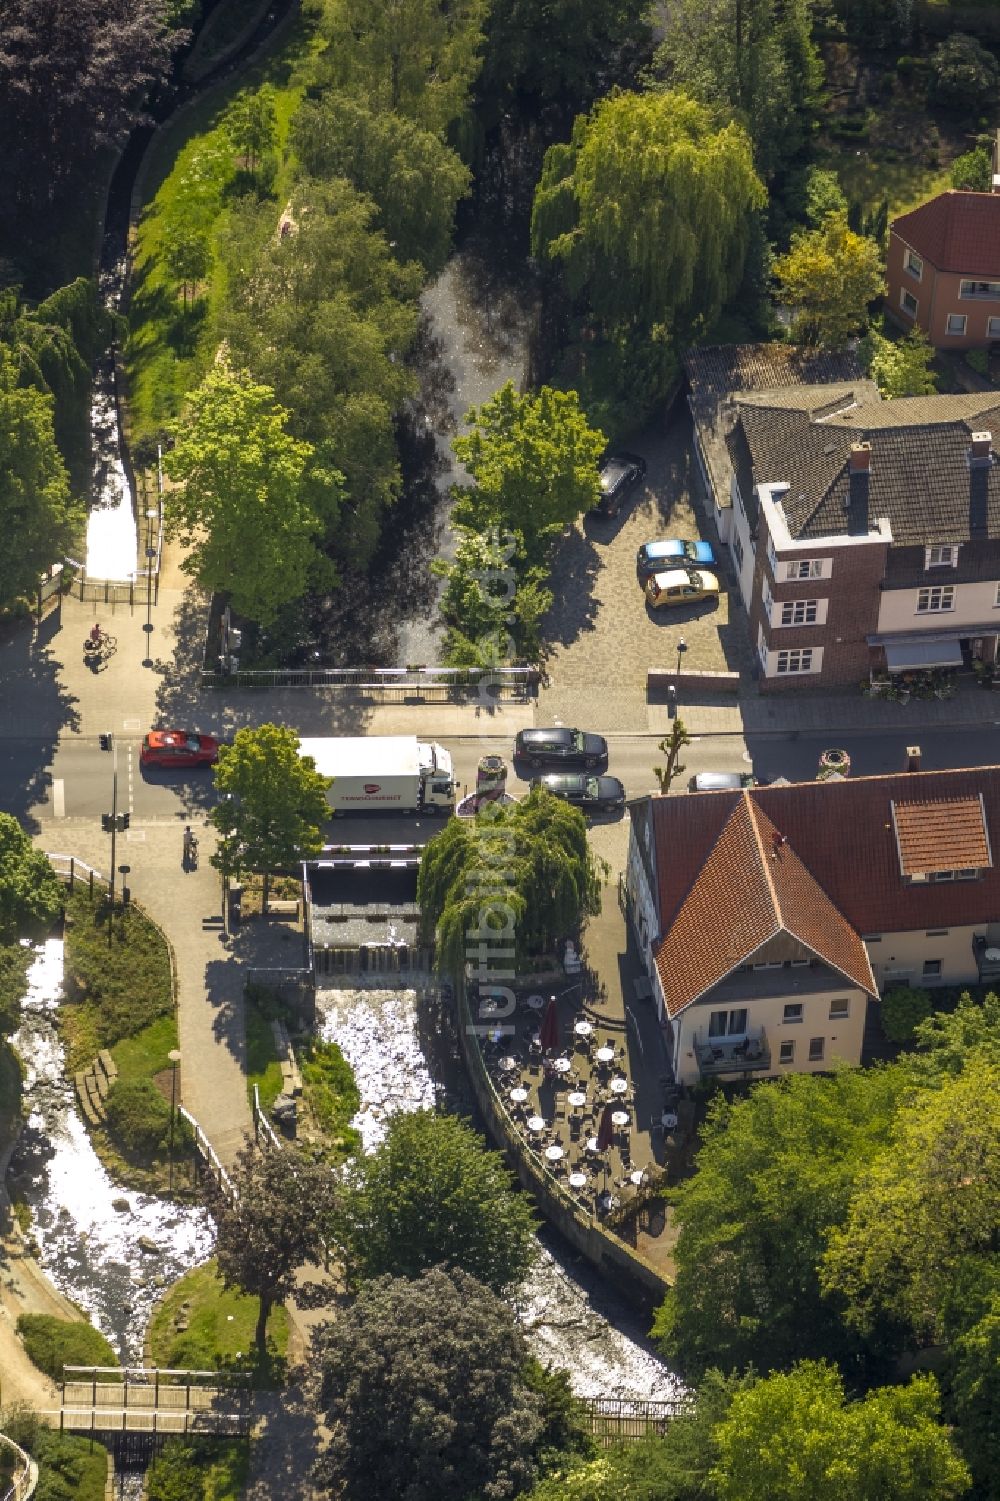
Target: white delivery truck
column 384, row 773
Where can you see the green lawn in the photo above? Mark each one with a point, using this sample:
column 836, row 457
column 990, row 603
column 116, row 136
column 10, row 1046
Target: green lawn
column 145, row 1055
column 188, row 180
column 220, row 1324
column 114, row 990
column 52, row 1343
column 872, row 176
column 263, row 1067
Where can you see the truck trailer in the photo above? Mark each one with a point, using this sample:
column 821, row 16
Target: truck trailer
column 384, row 773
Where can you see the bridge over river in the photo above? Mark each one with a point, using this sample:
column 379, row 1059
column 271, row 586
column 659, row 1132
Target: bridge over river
column 104, row 1401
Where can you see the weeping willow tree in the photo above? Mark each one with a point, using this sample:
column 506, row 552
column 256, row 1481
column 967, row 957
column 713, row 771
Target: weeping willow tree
column 649, row 211
column 513, row 878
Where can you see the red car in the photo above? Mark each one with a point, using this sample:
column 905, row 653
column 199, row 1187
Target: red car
column 178, row 748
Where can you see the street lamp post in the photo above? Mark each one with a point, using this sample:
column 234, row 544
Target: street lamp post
column 151, row 515
column 682, row 647
column 174, row 1058
column 112, row 823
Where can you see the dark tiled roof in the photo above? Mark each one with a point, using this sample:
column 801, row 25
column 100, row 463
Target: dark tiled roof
column 776, row 895
column 920, row 477
column 957, row 232
column 720, row 369
column 941, row 833
column 843, row 834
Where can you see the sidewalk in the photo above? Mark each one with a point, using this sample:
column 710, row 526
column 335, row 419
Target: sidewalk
column 829, row 713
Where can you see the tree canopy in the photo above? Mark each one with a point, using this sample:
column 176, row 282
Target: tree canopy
column 795, row 1437
column 40, row 519
column 273, row 802
column 533, row 460
column 925, row 1204
column 648, row 210
column 31, row 894
column 411, row 174
column 520, row 876
column 558, row 52
column 422, row 1388
column 272, row 1226
column 829, row 276
column 433, row 1195
column 775, row 1173
column 900, row 367
column 250, row 501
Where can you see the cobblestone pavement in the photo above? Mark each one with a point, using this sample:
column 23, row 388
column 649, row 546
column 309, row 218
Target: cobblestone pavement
column 602, row 637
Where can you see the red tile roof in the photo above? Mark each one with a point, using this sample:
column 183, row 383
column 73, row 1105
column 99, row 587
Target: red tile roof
column 843, row 834
column 956, row 232
column 945, row 833
column 754, row 877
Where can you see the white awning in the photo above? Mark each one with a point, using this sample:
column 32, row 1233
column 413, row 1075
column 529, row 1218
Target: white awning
column 906, row 656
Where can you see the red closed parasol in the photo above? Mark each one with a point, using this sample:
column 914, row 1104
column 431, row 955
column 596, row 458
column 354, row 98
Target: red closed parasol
column 549, row 1034
column 606, row 1130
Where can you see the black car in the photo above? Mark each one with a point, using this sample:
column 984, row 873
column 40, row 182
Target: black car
column 560, row 747
column 592, row 794
column 620, row 473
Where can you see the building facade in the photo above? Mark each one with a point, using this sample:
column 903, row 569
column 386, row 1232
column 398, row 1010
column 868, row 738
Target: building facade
column 943, row 270
column 770, row 918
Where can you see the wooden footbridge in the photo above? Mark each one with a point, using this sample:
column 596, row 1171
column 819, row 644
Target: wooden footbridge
column 106, row 1400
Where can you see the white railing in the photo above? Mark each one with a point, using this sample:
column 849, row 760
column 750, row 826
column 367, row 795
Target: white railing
column 211, row 1156
column 25, row 1474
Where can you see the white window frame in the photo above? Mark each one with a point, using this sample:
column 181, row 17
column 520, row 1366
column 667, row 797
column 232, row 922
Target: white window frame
column 800, row 612
column 996, row 602
column 913, row 264
column 993, row 328
column 935, row 599
column 797, row 661
column 762, row 648
column 772, row 557
column 943, row 555
column 974, row 294
column 767, row 600
column 843, row 1011
column 786, row 1052
column 905, row 298
column 932, row 969
column 817, row 1049
column 956, row 333
column 798, row 570
column 792, row 1021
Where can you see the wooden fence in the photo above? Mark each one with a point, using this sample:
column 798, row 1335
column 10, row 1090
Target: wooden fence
column 619, row 1420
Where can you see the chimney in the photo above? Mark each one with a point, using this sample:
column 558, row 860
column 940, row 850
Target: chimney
column 913, row 758
column 859, row 474
column 980, row 457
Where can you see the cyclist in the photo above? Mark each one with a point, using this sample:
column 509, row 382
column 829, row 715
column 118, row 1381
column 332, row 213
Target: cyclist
column 95, row 634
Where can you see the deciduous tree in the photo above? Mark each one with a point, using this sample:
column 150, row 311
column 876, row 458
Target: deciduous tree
column 829, row 276
column 250, row 501
column 423, row 1393
column 412, row 175
column 252, row 124
column 795, row 1437
column 775, row 1172
column 39, row 517
column 561, row 52
column 533, row 461
column 973, row 171
column 928, row 1202
column 273, row 803
column 494, row 600
column 520, row 876
column 187, row 257
column 433, row 1195
column 31, row 893
column 671, row 747
column 900, row 367
column 648, row 210
column 271, row 1226
column 964, row 74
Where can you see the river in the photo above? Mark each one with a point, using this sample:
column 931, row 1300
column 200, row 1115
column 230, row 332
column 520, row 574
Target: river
column 573, row 1317
column 88, row 1228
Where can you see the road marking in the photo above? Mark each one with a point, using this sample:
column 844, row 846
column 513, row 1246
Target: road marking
column 131, row 782
column 136, row 836
column 131, row 724
column 58, row 798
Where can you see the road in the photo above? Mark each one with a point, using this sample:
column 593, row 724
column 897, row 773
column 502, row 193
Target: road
column 79, row 781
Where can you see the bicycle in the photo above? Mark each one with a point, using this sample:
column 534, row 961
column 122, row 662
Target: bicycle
column 101, row 645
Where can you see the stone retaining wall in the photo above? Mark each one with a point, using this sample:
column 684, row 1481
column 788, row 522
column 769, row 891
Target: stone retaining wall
column 659, row 679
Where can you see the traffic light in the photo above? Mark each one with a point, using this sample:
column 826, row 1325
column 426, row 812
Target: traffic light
column 105, row 741
column 123, row 821
column 106, row 822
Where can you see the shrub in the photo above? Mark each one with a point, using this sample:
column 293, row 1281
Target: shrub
column 126, row 981
column 903, row 1009
column 70, row 1468
column 331, row 1095
column 978, row 360
column 52, row 1343
column 972, row 173
column 138, row 1117
column 964, row 75
column 198, row 1470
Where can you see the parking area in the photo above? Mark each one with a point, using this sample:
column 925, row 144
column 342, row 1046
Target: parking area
column 602, row 638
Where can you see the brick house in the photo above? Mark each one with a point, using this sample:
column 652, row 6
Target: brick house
column 943, row 269
column 865, row 534
column 769, row 918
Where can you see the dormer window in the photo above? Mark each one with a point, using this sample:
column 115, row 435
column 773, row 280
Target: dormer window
column 943, row 556
column 941, row 839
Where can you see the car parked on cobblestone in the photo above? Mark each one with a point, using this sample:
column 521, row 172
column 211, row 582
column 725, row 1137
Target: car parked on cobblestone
column 592, row 794
column 620, row 473
column 678, row 587
column 722, row 781
column 655, row 557
column 560, row 747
